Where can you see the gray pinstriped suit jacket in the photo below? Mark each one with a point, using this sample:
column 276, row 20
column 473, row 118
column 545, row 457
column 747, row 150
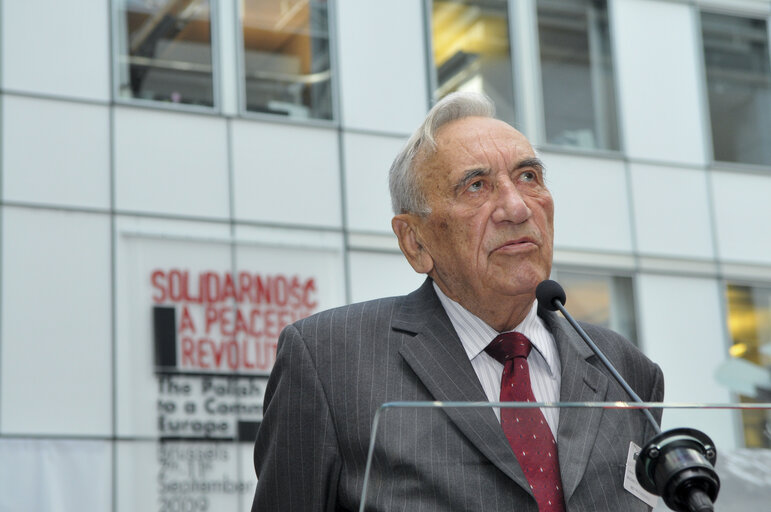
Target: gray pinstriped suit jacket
column 334, row 369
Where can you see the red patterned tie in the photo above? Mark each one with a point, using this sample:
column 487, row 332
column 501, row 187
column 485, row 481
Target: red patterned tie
column 526, row 429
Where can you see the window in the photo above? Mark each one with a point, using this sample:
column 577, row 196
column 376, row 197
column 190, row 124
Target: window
column 471, row 50
column 749, row 323
column 165, row 51
column 605, row 300
column 739, row 87
column 579, row 94
column 286, row 58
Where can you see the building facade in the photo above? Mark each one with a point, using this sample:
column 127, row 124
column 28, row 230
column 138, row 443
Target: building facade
column 181, row 178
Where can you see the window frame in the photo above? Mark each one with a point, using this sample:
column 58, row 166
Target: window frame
column 608, row 272
column 116, row 55
column 432, row 82
column 333, row 68
column 525, row 55
column 742, row 281
column 699, row 8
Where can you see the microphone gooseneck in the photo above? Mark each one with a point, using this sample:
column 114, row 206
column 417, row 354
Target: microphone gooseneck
column 678, row 464
column 551, row 296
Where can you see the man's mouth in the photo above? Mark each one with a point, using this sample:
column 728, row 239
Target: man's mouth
column 522, row 243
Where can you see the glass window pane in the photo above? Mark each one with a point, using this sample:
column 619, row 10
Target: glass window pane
column 749, row 323
column 165, row 51
column 604, row 300
column 286, row 58
column 579, row 94
column 471, row 50
column 739, row 87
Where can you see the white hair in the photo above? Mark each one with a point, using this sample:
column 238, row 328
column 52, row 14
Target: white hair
column 406, row 193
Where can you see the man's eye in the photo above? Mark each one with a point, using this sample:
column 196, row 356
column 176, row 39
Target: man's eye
column 528, row 176
column 476, row 186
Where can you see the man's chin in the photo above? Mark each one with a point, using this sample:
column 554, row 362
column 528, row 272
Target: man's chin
column 520, row 284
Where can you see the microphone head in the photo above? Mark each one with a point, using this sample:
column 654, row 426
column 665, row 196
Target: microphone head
column 547, row 292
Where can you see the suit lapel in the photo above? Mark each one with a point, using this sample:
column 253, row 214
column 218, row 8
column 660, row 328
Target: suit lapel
column 581, row 382
column 437, row 357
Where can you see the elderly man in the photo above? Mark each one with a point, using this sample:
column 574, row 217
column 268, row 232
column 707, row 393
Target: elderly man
column 473, row 213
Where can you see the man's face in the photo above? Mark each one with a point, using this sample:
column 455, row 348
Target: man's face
column 490, row 231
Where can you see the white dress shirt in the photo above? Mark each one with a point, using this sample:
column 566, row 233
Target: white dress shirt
column 544, row 361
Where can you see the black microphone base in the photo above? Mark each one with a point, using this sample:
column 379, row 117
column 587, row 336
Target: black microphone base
column 678, row 465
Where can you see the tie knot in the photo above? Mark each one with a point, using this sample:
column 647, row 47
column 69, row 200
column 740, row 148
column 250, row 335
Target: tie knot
column 508, row 346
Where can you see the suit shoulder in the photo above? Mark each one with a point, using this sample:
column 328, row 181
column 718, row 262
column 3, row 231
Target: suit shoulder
column 369, row 307
column 368, row 315
column 610, row 340
column 627, row 357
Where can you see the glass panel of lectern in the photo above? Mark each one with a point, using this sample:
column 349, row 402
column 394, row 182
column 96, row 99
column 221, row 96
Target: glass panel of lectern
column 420, row 451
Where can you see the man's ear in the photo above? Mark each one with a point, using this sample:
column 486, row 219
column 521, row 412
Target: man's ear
column 406, row 228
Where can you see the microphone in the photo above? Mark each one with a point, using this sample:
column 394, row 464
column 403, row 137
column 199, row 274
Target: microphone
column 678, row 464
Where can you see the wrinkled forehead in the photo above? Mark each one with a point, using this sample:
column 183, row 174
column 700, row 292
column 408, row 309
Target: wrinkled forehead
column 474, row 141
column 478, row 130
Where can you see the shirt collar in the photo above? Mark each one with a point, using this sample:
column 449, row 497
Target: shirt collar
column 475, row 334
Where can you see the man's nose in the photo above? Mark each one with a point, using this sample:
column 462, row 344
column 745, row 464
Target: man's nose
column 510, row 206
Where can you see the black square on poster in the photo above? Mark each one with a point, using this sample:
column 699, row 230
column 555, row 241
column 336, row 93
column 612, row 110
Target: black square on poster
column 165, row 336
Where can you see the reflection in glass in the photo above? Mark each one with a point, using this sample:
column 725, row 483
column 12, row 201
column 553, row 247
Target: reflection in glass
column 471, row 50
column 165, row 51
column 600, row 299
column 749, row 322
column 286, row 60
column 577, row 74
column 739, row 87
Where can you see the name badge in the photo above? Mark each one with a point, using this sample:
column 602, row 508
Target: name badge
column 630, row 478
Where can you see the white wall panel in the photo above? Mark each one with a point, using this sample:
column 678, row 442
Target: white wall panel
column 682, row 329
column 590, row 203
column 375, row 275
column 56, row 152
column 742, row 212
column 137, row 475
column 55, row 475
column 170, row 163
column 282, row 236
column 672, row 216
column 382, row 65
column 286, row 174
column 367, row 161
column 656, row 55
column 55, row 47
column 56, row 327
